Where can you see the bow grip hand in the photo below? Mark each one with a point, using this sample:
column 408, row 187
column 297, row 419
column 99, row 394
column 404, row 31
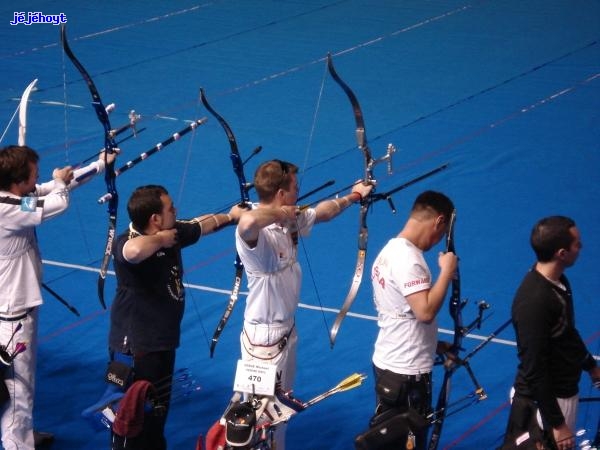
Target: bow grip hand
column 363, row 188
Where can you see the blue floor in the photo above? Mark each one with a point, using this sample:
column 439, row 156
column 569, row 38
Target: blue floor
column 506, row 92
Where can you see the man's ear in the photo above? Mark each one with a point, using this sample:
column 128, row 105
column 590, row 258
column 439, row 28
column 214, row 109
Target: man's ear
column 155, row 220
column 280, row 193
column 440, row 221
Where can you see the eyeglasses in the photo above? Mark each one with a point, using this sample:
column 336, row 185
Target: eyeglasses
column 285, row 170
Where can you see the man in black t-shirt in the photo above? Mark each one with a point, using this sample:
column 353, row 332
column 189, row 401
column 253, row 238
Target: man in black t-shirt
column 148, row 307
column 551, row 353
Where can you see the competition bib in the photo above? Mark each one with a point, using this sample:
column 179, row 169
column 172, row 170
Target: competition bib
column 253, row 377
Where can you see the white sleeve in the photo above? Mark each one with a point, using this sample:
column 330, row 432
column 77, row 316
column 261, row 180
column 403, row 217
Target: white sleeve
column 305, row 221
column 25, row 212
column 413, row 277
column 56, row 201
column 46, row 188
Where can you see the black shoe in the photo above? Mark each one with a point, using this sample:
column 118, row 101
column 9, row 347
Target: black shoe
column 42, row 439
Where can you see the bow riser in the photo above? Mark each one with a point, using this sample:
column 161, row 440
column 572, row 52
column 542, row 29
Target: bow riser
column 456, row 305
column 455, row 309
column 238, row 169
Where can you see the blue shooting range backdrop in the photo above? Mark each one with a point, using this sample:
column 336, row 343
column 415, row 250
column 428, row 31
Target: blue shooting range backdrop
column 506, row 92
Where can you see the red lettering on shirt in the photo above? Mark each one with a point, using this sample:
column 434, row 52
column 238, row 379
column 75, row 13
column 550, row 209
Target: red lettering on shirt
column 417, row 282
column 376, row 276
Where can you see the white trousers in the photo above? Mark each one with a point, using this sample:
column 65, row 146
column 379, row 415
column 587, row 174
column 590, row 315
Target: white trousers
column 568, row 406
column 17, row 415
column 285, row 360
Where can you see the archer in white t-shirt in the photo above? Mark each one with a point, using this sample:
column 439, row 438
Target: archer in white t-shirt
column 407, row 301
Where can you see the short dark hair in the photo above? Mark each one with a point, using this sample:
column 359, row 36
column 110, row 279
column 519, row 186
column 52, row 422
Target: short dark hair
column 272, row 176
column 144, row 202
column 434, row 201
column 15, row 165
column 549, row 235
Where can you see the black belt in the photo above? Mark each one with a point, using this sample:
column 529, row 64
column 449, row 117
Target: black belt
column 415, row 378
column 15, row 318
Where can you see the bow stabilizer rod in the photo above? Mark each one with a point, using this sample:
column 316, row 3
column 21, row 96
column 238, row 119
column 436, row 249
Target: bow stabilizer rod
column 158, row 147
column 388, row 195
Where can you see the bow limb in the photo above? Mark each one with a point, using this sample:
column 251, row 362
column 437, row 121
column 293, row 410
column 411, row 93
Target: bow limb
column 236, row 160
column 23, row 112
column 363, row 233
column 109, row 174
column 238, row 168
column 361, row 135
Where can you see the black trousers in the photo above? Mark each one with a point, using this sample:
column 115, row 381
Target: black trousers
column 157, row 368
column 415, row 393
column 522, row 420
